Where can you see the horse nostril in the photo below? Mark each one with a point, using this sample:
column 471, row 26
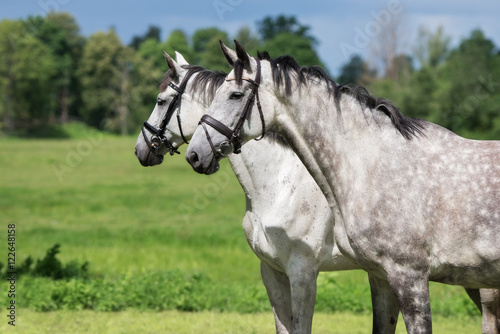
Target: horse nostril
column 194, row 160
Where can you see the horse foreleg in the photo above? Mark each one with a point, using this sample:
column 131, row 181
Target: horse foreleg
column 412, row 292
column 498, row 309
column 385, row 306
column 278, row 290
column 303, row 291
column 487, row 301
column 490, row 301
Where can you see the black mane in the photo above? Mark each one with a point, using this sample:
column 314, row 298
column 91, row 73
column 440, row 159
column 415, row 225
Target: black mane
column 285, row 66
column 205, row 81
column 167, row 79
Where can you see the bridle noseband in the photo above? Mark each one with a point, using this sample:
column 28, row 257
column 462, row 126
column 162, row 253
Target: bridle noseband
column 233, row 144
column 158, row 139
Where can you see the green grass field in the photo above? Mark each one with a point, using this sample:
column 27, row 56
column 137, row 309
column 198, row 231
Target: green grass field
column 132, row 322
column 90, row 195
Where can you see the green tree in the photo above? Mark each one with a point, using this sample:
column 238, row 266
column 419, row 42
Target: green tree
column 138, row 90
column 285, row 35
column 26, row 67
column 471, row 102
column 207, row 49
column 118, row 84
column 400, row 68
column 152, row 49
column 422, row 99
column 271, row 27
column 9, row 38
column 356, row 71
column 177, row 41
column 153, row 33
column 300, row 48
column 431, row 48
column 202, row 37
column 99, row 70
column 145, row 77
column 61, row 34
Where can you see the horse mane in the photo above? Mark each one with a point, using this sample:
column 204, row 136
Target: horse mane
column 205, row 82
column 167, row 79
column 286, row 70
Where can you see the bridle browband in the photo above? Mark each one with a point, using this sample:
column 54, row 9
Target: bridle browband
column 158, row 139
column 233, row 144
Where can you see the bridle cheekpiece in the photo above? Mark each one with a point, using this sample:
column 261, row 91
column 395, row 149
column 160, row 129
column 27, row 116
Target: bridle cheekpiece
column 233, row 144
column 158, row 139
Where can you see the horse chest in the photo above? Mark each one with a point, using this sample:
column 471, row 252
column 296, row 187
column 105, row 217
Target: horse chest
column 265, row 243
column 303, row 230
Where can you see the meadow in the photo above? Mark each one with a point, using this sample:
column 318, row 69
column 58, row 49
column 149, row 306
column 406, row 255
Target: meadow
column 164, row 247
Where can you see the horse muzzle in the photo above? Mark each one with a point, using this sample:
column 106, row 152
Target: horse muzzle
column 147, row 157
column 197, row 163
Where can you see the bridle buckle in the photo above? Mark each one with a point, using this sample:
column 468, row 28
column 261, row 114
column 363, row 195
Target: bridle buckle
column 156, row 142
column 225, row 148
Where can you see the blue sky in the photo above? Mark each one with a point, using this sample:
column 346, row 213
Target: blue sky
column 341, row 26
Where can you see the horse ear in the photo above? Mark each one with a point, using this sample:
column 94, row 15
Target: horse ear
column 243, row 55
column 180, row 59
column 228, row 53
column 172, row 64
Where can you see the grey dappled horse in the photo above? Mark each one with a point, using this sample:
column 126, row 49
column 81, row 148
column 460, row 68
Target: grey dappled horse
column 292, row 251
column 412, row 201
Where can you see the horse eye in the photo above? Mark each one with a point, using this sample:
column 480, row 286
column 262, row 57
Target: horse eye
column 160, row 101
column 236, row 96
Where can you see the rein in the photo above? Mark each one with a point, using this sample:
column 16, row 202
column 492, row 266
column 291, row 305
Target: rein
column 233, row 144
column 158, row 139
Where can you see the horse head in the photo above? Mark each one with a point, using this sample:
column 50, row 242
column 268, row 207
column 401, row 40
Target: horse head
column 177, row 111
column 236, row 113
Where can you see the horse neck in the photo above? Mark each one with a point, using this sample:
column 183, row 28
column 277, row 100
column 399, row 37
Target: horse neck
column 260, row 163
column 329, row 142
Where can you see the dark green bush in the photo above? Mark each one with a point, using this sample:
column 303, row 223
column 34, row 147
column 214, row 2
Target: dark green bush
column 50, row 266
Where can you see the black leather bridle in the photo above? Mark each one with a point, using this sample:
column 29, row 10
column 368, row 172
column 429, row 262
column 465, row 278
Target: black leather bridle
column 158, row 139
column 233, row 144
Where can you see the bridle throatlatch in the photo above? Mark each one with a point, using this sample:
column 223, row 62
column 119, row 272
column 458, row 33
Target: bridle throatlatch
column 158, row 139
column 233, row 144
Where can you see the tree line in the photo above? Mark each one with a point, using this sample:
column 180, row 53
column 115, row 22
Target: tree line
column 50, row 74
column 458, row 88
